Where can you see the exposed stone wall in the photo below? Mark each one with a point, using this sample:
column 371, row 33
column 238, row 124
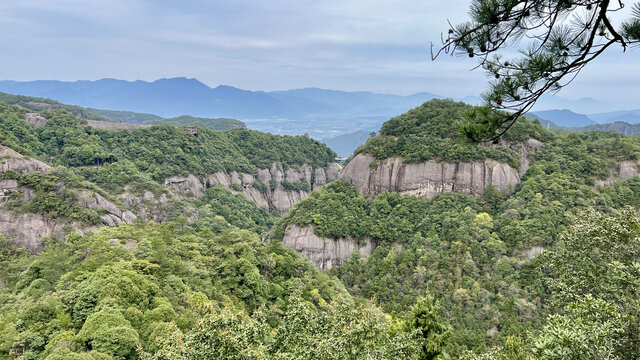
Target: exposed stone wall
column 278, row 198
column 623, row 170
column 26, row 229
column 427, row 178
column 324, row 253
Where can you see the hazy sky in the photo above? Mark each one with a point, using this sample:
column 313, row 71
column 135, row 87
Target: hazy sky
column 373, row 45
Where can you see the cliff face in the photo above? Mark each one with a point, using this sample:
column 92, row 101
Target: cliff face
column 11, row 160
column 324, row 253
column 427, row 178
column 27, row 229
column 266, row 188
column 623, row 170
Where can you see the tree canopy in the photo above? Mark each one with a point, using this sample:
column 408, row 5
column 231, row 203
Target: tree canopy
column 556, row 39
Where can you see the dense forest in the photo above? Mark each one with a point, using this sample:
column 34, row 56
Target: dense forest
column 159, row 151
column 477, row 255
column 547, row 270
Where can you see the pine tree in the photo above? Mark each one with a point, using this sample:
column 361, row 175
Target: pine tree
column 562, row 37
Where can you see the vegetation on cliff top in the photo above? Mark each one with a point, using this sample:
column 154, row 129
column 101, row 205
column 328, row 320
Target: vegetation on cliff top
column 160, row 151
column 428, row 133
column 209, row 123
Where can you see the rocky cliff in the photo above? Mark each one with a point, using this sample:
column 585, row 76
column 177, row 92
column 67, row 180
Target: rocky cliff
column 270, row 188
column 427, row 178
column 623, row 170
column 324, row 253
column 28, row 229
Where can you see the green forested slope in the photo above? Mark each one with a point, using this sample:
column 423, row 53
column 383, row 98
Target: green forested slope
column 134, row 285
column 428, row 132
column 159, row 151
column 38, row 104
column 453, row 273
column 209, row 123
column 473, row 254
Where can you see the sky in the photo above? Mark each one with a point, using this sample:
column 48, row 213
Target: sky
column 370, row 45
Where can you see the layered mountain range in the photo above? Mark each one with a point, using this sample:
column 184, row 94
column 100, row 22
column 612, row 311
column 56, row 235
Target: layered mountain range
column 321, row 113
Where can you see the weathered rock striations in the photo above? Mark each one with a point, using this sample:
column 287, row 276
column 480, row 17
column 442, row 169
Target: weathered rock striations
column 427, row 178
column 27, row 229
column 324, row 253
column 113, row 217
column 623, row 170
column 11, row 160
column 265, row 188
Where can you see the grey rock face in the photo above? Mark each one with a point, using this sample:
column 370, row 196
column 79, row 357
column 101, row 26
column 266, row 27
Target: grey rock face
column 11, row 160
column 324, row 253
column 185, row 186
column 35, row 119
column 278, row 198
column 624, row 170
column 113, row 217
column 427, row 178
column 27, row 230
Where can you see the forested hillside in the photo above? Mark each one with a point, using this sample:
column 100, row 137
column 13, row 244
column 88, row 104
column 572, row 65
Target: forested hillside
column 156, row 248
column 497, row 262
column 160, row 173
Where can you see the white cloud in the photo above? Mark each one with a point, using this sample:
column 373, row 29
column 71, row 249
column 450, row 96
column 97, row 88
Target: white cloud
column 379, row 45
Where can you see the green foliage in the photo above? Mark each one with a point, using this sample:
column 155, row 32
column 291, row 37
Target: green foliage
column 428, row 133
column 209, row 123
column 433, row 334
column 235, row 209
column 263, row 149
column 337, row 330
column 236, row 187
column 470, row 253
column 50, row 198
column 126, row 116
column 590, row 329
column 38, row 104
column 132, row 286
column 300, row 185
column 157, row 151
column 336, row 210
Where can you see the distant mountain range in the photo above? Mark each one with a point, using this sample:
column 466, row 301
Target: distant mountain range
column 625, row 121
column 566, row 118
column 39, row 104
column 345, row 144
column 318, row 112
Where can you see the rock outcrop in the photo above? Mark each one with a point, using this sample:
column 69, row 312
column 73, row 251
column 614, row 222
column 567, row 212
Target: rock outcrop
column 265, row 188
column 324, row 253
column 427, row 178
column 40, row 121
column 11, row 160
column 35, row 119
column 623, row 170
column 113, row 216
column 27, row 229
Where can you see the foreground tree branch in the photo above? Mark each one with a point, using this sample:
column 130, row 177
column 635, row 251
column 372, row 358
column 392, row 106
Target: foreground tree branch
column 557, row 38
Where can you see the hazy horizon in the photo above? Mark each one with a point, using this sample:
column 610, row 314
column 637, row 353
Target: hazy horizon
column 354, row 45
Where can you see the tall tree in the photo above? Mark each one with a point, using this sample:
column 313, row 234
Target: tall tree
column 562, row 37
